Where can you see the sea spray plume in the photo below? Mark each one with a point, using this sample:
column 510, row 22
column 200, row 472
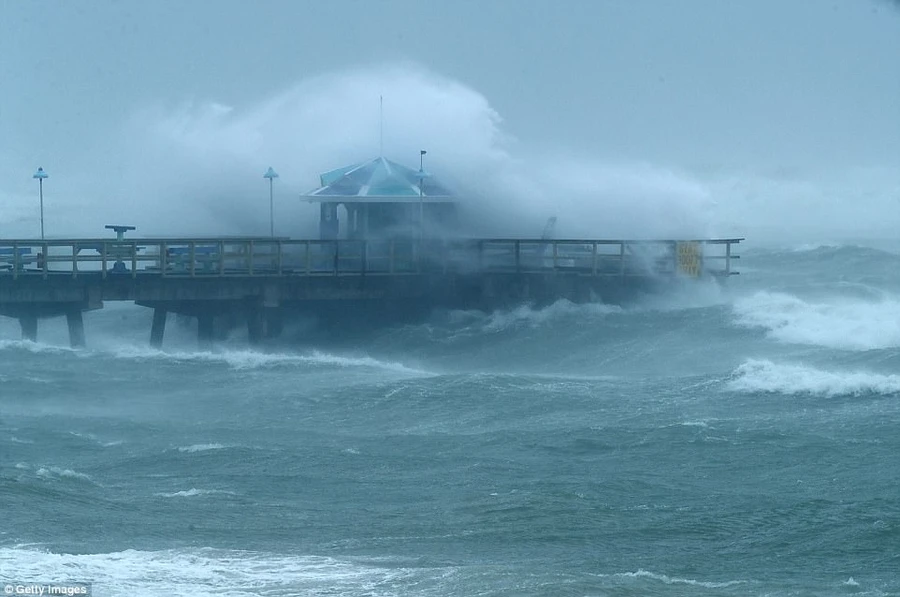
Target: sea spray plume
column 590, row 198
column 208, row 154
column 208, row 158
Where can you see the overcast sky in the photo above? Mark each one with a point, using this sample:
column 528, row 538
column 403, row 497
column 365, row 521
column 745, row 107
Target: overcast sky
column 777, row 86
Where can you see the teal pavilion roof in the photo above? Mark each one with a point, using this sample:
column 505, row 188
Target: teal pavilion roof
column 378, row 181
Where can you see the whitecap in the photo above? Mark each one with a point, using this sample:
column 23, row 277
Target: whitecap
column 252, row 359
column 766, row 376
column 532, row 317
column 845, row 324
column 193, row 492
column 55, row 472
column 669, row 580
column 35, row 347
column 93, row 438
column 201, row 447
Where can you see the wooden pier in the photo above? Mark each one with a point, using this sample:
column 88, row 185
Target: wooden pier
column 257, row 279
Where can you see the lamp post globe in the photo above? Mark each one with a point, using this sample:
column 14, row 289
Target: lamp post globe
column 40, row 175
column 271, row 175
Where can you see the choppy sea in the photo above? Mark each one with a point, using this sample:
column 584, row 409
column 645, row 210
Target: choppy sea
column 742, row 440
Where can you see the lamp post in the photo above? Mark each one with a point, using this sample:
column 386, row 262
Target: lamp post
column 40, row 175
column 271, row 175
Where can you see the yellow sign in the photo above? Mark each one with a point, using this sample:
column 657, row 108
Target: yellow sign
column 689, row 258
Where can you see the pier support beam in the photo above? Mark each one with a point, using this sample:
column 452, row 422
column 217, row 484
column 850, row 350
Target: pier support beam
column 29, row 326
column 76, row 328
column 205, row 329
column 158, row 329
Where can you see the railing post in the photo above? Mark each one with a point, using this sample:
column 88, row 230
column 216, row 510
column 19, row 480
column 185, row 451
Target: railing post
column 594, row 259
column 622, row 258
column 163, row 259
column 15, row 260
column 74, row 259
column 518, row 258
column 103, row 260
column 250, row 258
column 45, row 249
column 337, row 250
column 555, row 254
column 134, row 259
column 192, row 252
column 728, row 258
column 364, row 254
column 279, row 246
column 676, row 258
column 221, row 257
column 308, row 258
column 480, row 255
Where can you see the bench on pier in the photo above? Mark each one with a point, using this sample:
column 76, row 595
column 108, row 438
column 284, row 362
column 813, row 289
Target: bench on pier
column 8, row 257
column 206, row 256
column 117, row 254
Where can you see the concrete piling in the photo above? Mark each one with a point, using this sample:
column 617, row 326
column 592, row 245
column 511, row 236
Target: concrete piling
column 75, row 321
column 29, row 325
column 158, row 329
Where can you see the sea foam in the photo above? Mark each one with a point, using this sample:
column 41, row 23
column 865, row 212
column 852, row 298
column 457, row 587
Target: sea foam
column 204, row 572
column 252, row 359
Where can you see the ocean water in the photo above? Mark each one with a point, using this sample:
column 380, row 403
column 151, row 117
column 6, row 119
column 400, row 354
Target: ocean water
column 717, row 441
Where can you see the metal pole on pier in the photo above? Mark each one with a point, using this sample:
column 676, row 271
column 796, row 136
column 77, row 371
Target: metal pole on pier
column 271, row 175
column 40, row 175
column 422, row 175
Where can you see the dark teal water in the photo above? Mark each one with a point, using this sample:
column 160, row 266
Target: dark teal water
column 736, row 442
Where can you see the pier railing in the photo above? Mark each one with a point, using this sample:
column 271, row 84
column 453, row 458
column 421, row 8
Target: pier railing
column 242, row 257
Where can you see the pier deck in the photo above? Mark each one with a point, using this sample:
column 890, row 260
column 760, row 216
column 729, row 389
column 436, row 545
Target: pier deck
column 258, row 277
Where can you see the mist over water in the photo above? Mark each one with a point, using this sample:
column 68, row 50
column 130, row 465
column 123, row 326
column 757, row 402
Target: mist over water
column 194, row 168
